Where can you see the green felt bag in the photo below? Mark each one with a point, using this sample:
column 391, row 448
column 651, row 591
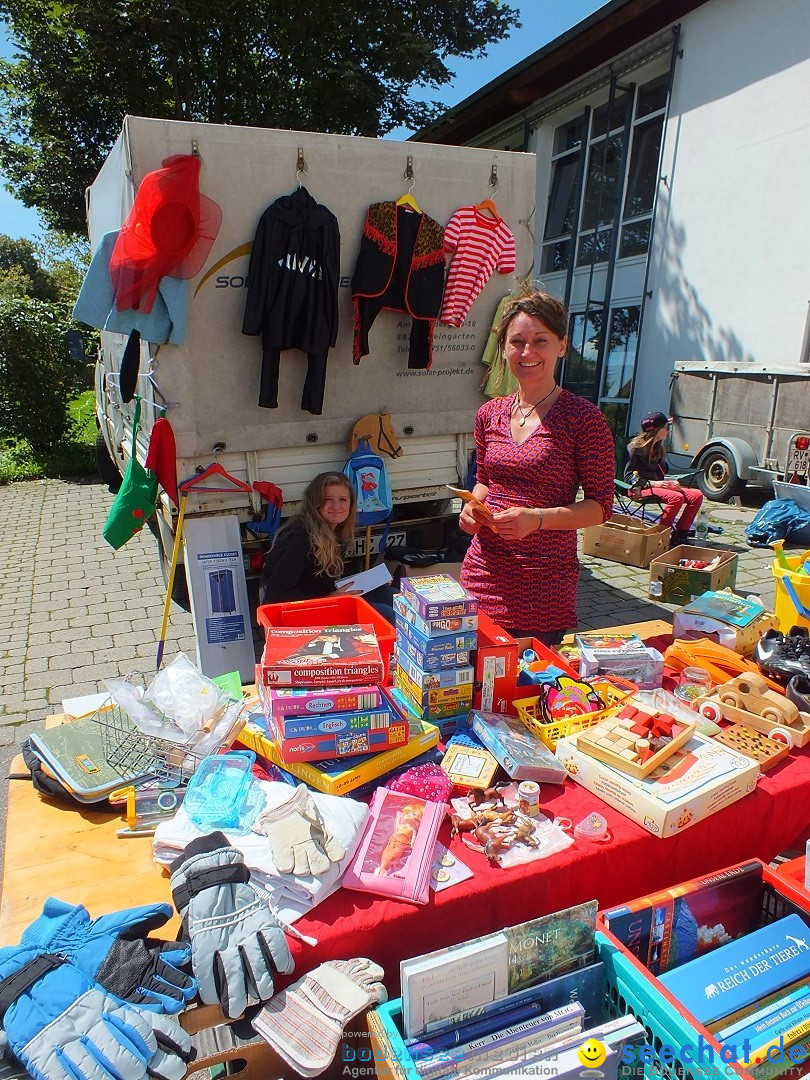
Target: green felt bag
column 136, row 500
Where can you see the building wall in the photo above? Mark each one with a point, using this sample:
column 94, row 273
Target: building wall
column 730, row 269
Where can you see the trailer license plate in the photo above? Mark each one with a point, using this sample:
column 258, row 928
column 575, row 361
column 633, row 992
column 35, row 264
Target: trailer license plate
column 798, row 463
column 396, row 538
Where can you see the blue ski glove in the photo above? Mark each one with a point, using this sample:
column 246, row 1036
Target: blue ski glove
column 62, row 1027
column 237, row 944
column 113, row 952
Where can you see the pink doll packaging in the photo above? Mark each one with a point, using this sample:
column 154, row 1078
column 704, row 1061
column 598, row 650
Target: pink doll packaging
column 395, row 854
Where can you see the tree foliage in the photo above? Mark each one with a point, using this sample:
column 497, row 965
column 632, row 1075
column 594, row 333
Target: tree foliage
column 346, row 66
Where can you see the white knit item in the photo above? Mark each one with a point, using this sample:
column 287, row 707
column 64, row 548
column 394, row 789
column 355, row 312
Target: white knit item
column 304, row 1023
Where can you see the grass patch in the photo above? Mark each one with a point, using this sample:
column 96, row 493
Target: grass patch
column 75, row 457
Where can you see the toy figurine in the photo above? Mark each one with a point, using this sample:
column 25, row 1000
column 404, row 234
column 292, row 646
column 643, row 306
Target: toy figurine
column 400, row 842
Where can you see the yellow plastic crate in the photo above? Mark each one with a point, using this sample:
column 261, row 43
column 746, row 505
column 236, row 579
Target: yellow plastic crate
column 613, row 691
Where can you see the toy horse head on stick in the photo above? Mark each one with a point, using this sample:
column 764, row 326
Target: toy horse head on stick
column 379, row 430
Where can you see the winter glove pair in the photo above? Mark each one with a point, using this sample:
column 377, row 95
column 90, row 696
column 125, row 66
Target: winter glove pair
column 299, row 840
column 236, row 941
column 62, row 1026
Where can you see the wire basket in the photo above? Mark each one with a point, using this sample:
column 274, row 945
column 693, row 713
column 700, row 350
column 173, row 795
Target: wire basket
column 530, row 710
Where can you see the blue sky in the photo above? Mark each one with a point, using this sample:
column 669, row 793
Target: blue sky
column 542, row 21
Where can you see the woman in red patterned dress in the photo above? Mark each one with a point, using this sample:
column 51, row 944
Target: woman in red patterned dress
column 535, row 449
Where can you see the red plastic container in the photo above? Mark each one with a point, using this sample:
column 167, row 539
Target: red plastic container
column 335, row 610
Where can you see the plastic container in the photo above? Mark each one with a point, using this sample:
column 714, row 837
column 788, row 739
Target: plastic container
column 792, row 593
column 335, row 610
column 612, row 691
column 701, row 528
column 218, row 792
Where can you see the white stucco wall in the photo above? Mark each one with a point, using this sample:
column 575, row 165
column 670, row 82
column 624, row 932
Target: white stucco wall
column 730, row 268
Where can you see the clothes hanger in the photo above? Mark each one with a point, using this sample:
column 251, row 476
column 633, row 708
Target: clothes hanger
column 488, row 206
column 407, row 200
column 213, row 470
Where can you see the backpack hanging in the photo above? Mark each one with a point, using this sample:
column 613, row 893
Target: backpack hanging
column 367, row 475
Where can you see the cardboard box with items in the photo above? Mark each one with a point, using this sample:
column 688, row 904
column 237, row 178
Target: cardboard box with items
column 679, row 575
column 626, row 539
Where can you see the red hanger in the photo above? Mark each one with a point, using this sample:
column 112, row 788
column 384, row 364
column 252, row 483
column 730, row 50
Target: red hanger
column 214, row 470
column 488, row 206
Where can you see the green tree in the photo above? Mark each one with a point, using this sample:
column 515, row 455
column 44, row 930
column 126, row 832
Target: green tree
column 346, row 66
column 21, row 271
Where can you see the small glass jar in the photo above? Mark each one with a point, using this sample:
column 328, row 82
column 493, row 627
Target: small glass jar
column 693, row 683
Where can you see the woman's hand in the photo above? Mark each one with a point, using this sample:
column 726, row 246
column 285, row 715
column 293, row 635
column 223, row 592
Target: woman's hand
column 470, row 520
column 517, row 522
column 347, row 590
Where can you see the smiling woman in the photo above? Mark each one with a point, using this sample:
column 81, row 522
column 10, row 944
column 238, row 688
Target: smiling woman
column 535, row 449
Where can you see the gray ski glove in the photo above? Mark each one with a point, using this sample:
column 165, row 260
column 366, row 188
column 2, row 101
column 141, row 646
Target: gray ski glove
column 300, row 841
column 236, row 941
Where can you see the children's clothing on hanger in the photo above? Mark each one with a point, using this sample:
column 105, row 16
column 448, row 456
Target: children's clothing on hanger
column 166, row 322
column 480, row 245
column 400, row 267
column 292, row 296
column 500, row 380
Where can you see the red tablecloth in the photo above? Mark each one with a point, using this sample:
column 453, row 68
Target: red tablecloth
column 774, row 817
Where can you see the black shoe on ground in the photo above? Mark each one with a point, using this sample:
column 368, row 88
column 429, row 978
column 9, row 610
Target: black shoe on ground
column 798, row 691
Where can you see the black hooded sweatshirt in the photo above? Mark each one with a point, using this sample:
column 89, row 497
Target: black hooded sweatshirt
column 292, row 298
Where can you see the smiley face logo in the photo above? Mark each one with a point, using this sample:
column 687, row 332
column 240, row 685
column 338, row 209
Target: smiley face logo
column 592, row 1053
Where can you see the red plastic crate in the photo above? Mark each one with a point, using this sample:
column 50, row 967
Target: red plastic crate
column 335, row 610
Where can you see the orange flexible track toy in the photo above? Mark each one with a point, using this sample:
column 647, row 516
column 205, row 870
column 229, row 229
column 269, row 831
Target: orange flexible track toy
column 721, row 663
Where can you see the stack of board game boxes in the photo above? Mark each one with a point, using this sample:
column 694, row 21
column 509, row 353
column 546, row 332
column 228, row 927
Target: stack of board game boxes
column 436, row 624
column 326, row 718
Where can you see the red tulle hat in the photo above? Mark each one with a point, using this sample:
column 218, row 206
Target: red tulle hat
column 169, row 232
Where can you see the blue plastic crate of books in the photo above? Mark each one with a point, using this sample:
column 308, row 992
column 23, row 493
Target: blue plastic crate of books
column 661, row 925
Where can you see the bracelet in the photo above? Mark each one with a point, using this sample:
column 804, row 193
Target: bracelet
column 540, row 522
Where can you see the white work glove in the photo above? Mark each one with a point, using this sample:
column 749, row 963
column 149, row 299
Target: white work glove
column 299, row 840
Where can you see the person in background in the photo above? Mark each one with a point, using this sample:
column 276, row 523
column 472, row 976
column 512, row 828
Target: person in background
column 308, row 551
column 648, row 461
column 535, row 449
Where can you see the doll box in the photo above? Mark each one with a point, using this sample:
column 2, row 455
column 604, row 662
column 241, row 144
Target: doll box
column 678, row 585
column 709, row 777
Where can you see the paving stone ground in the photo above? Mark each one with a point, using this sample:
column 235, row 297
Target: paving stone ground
column 73, row 611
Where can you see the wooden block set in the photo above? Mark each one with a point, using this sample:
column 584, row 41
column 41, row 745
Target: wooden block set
column 635, row 740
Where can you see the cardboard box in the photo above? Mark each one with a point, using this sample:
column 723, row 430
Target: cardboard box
column 451, row 568
column 626, row 539
column 717, row 778
column 495, row 663
column 677, row 585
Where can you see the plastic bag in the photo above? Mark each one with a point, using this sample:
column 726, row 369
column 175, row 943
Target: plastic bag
column 775, row 521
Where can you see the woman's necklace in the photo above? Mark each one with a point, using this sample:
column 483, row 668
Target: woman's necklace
column 524, row 416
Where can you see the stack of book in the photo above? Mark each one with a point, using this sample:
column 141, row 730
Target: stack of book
column 325, row 717
column 436, row 624
column 754, row 995
column 507, row 1002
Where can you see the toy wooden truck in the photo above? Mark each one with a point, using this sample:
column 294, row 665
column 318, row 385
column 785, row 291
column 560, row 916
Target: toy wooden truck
column 746, row 699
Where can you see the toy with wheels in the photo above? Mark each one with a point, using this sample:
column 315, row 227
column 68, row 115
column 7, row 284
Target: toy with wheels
column 747, row 699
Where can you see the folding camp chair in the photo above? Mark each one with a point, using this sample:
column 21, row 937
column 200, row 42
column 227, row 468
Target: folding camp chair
column 635, row 498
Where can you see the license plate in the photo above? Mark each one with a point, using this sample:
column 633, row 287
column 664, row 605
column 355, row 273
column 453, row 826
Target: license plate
column 798, row 463
column 394, row 537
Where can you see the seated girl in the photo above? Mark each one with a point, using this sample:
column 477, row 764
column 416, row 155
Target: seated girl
column 648, row 461
column 308, row 551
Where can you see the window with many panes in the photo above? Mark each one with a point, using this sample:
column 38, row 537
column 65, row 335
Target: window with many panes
column 585, row 217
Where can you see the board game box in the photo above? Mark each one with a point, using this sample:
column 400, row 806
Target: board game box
column 315, row 702
column 424, row 649
column 321, row 656
column 438, row 597
column 433, row 704
column 381, row 732
column 434, row 680
column 461, row 624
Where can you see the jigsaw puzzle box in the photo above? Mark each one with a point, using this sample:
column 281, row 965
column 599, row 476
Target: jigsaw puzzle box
column 700, row 779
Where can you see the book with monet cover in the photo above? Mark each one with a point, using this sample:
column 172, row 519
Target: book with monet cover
column 551, row 945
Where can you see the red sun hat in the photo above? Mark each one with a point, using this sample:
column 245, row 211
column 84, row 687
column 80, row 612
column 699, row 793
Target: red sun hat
column 169, row 232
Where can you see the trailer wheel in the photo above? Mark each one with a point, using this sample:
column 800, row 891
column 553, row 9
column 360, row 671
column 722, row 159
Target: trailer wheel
column 718, row 478
column 107, row 469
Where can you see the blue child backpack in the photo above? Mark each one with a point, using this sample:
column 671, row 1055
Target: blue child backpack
column 367, row 475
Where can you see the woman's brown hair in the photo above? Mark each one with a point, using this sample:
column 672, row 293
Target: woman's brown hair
column 541, row 305
column 327, row 543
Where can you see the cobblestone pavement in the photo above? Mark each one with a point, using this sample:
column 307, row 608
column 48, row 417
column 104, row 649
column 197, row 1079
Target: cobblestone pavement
column 72, row 610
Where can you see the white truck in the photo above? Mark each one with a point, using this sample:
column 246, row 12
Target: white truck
column 210, row 384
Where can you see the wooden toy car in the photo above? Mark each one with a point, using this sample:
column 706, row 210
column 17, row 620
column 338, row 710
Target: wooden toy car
column 746, row 699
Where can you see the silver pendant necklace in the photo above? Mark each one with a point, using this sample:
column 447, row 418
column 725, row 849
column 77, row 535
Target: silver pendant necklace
column 524, row 416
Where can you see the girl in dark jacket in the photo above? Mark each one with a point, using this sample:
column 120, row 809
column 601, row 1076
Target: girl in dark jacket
column 648, row 462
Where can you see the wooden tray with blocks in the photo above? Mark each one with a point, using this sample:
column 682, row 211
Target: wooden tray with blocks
column 767, row 752
column 635, row 741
